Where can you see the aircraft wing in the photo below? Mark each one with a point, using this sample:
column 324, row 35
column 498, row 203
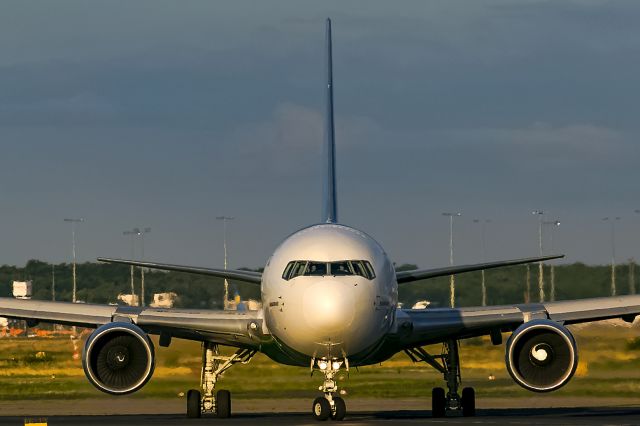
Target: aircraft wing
column 417, row 327
column 231, row 328
column 421, row 274
column 232, row 274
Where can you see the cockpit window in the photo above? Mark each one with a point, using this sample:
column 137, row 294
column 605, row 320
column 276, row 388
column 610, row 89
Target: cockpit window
column 359, row 268
column 341, row 268
column 298, row 268
column 316, row 269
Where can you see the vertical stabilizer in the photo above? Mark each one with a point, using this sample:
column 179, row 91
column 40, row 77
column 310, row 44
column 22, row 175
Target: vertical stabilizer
column 329, row 203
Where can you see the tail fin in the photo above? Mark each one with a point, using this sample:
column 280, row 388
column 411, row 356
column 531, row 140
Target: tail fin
column 330, row 203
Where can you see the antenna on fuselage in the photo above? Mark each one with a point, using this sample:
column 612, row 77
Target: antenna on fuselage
column 330, row 203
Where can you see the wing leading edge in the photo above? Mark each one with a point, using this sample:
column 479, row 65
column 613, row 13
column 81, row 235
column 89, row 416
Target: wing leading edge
column 231, row 328
column 232, row 274
column 421, row 274
column 418, row 327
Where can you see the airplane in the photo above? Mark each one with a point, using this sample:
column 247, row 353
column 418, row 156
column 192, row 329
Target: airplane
column 330, row 303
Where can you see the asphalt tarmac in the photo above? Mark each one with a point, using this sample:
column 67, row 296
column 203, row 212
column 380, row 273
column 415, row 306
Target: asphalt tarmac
column 159, row 412
column 513, row 416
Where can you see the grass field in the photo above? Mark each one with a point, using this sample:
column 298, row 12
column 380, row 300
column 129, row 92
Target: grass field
column 32, row 368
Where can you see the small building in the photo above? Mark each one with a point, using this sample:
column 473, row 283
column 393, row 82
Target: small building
column 22, row 289
column 164, row 300
column 421, row 304
column 129, row 299
column 237, row 304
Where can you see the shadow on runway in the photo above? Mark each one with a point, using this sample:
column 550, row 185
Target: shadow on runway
column 540, row 416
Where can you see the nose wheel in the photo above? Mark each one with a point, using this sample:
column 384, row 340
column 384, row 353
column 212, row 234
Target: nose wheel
column 329, row 406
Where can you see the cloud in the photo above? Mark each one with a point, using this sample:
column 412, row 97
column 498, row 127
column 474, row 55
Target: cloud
column 580, row 142
column 290, row 143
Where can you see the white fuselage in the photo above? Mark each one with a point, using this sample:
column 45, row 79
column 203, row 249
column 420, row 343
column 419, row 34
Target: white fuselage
column 329, row 315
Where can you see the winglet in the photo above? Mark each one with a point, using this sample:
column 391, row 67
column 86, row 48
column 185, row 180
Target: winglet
column 329, row 204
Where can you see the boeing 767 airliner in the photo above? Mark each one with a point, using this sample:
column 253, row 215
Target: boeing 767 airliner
column 330, row 303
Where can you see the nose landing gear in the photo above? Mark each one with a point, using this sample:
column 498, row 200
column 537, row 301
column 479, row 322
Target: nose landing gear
column 329, row 406
column 213, row 365
column 448, row 363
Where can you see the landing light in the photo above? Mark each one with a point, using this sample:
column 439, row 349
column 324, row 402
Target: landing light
column 336, row 365
column 322, row 365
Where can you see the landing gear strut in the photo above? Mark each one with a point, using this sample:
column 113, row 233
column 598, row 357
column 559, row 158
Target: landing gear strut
column 448, row 363
column 329, row 406
column 213, row 365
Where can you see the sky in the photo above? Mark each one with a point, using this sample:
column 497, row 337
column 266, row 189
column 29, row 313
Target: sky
column 166, row 114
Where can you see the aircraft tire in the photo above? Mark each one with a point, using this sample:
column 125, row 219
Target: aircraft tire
column 438, row 402
column 468, row 401
column 223, row 404
column 340, row 409
column 321, row 409
column 193, row 404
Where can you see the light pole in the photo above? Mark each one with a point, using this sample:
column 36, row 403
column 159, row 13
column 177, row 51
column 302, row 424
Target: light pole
column 612, row 221
column 452, row 279
column 224, row 220
column 482, row 255
column 73, row 251
column 141, row 234
column 539, row 213
column 132, row 234
column 552, row 291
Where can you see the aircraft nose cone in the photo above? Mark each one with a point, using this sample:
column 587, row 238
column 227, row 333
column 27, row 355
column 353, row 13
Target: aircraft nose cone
column 329, row 306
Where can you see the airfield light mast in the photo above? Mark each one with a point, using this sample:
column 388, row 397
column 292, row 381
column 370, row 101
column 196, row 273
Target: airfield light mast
column 141, row 234
column 132, row 234
column 224, row 220
column 452, row 279
column 482, row 255
column 612, row 221
column 552, row 290
column 73, row 251
column 539, row 213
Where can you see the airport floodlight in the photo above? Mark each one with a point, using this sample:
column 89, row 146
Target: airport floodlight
column 482, row 256
column 141, row 234
column 224, row 220
column 552, row 290
column 612, row 220
column 452, row 280
column 540, row 213
column 73, row 222
column 132, row 233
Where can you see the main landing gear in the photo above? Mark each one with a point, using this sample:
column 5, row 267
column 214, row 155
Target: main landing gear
column 448, row 363
column 329, row 406
column 213, row 365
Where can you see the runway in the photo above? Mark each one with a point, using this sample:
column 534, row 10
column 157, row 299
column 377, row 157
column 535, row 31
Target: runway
column 540, row 410
column 549, row 416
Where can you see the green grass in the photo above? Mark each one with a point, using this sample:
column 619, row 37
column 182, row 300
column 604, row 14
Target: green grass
column 609, row 366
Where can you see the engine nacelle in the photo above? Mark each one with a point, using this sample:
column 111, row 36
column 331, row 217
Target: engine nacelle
column 541, row 355
column 118, row 358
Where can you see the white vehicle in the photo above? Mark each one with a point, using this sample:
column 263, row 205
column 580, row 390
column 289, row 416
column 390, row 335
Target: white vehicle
column 329, row 295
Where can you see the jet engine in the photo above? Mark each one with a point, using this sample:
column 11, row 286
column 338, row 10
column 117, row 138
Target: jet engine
column 541, row 355
column 118, row 358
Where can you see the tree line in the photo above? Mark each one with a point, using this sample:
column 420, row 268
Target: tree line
column 101, row 283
